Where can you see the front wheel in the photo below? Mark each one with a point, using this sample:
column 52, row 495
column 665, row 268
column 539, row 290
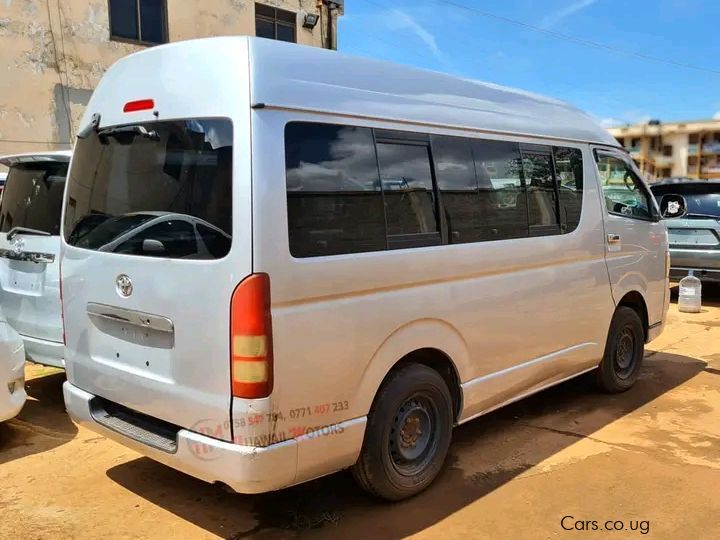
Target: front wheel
column 408, row 434
column 624, row 352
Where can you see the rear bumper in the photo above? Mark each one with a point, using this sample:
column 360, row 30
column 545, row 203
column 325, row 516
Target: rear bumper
column 704, row 274
column 47, row 353
column 246, row 469
column 705, row 263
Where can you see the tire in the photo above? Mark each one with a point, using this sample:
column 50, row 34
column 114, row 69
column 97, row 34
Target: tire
column 390, row 466
column 624, row 351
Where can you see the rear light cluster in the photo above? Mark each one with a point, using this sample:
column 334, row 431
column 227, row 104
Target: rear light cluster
column 251, row 355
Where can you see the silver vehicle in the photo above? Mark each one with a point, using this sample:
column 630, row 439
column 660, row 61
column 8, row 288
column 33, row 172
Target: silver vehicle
column 12, row 371
column 30, row 211
column 691, row 212
column 403, row 251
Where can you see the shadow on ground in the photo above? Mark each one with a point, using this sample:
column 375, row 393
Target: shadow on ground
column 42, row 424
column 500, row 446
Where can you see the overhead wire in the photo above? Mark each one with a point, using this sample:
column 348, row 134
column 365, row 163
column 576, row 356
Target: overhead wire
column 63, row 87
column 575, row 39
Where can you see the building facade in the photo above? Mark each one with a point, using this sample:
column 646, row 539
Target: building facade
column 662, row 150
column 54, row 52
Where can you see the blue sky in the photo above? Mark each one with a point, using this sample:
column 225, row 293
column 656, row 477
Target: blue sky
column 616, row 88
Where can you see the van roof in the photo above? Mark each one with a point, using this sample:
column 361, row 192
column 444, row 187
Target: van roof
column 27, row 157
column 328, row 81
column 289, row 76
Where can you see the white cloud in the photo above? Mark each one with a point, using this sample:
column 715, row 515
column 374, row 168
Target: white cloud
column 611, row 122
column 404, row 20
column 554, row 18
column 716, row 116
column 623, row 118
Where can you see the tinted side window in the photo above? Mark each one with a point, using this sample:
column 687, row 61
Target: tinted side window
column 503, row 203
column 455, row 173
column 542, row 198
column 569, row 172
column 407, row 185
column 335, row 203
column 623, row 190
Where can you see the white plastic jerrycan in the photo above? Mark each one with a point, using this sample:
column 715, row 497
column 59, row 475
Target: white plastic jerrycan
column 690, row 300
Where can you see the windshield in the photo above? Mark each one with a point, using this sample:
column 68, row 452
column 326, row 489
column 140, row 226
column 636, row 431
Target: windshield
column 697, row 200
column 32, row 197
column 157, row 189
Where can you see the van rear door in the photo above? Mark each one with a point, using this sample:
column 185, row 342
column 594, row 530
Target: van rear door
column 29, row 251
column 149, row 268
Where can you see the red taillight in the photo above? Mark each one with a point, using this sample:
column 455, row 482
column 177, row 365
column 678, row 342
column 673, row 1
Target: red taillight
column 139, row 105
column 251, row 364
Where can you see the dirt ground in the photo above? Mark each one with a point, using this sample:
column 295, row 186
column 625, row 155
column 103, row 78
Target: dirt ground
column 647, row 461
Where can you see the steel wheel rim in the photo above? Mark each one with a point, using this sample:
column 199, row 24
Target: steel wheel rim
column 414, row 435
column 625, row 353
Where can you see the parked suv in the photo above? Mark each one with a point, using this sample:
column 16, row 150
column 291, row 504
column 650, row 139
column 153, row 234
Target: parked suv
column 29, row 249
column 691, row 211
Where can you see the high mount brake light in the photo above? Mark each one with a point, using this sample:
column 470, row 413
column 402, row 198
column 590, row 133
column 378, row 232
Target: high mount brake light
column 139, row 105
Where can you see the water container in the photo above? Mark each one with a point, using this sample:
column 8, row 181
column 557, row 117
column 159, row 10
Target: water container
column 690, row 294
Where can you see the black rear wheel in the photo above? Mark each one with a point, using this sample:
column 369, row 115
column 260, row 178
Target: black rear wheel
column 624, row 352
column 408, row 434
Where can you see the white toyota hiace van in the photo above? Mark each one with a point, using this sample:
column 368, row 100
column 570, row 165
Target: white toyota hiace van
column 30, row 211
column 347, row 259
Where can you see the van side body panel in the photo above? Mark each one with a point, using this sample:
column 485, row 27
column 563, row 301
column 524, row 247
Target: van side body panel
column 507, row 313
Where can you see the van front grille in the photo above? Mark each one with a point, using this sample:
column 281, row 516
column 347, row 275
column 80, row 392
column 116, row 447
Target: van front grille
column 136, row 426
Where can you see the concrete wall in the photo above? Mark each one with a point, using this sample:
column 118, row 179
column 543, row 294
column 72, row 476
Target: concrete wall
column 54, row 52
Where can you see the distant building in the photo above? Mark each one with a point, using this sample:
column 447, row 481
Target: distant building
column 54, row 52
column 673, row 149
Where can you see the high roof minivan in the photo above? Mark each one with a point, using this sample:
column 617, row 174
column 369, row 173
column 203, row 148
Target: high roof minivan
column 30, row 210
column 348, row 259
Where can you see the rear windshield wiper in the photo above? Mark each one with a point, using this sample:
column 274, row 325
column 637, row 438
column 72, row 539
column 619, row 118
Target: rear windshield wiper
column 126, row 134
column 25, row 230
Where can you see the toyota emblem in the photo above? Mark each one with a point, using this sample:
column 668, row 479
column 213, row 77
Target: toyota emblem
column 124, row 285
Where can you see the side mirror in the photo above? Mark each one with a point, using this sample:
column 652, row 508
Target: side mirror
column 150, row 245
column 673, row 206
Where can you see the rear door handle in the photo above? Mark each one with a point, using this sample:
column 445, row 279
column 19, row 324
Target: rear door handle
column 613, row 238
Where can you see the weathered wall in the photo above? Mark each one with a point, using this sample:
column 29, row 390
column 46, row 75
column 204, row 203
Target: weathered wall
column 54, row 52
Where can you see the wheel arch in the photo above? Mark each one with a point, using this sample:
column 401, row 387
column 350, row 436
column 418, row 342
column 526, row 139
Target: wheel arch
column 636, row 301
column 429, row 342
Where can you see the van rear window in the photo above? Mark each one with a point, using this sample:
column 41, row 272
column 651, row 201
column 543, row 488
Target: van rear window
column 32, row 197
column 157, row 189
